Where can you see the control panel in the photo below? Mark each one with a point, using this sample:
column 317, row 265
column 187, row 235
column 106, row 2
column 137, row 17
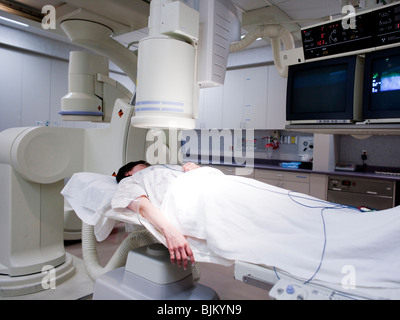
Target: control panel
column 330, row 39
column 387, row 25
column 290, row 289
column 380, row 27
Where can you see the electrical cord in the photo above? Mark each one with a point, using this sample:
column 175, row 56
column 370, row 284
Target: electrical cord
column 295, row 196
column 325, row 205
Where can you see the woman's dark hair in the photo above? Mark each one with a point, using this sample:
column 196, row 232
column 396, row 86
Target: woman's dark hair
column 128, row 167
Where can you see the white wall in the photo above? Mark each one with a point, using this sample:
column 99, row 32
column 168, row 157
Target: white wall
column 34, row 78
column 31, row 87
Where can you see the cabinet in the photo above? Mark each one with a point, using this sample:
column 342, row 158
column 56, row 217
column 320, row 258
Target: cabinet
column 210, row 108
column 299, row 182
column 245, row 99
column 36, row 84
column 251, row 98
column 276, row 100
column 312, row 184
column 319, row 186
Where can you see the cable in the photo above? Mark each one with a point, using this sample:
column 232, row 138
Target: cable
column 332, row 206
column 323, row 205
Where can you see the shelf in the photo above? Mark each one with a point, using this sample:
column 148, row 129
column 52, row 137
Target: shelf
column 350, row 129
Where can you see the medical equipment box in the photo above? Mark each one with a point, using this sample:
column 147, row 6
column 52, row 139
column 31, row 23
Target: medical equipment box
column 149, row 275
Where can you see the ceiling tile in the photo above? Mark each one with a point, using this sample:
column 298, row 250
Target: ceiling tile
column 248, row 5
column 309, row 9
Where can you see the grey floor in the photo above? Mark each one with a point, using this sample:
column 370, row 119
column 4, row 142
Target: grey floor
column 217, row 277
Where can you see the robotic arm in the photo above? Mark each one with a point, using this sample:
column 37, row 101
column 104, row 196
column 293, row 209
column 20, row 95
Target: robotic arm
column 167, row 69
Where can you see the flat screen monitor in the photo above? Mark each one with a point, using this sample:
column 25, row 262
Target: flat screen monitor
column 381, row 100
column 325, row 91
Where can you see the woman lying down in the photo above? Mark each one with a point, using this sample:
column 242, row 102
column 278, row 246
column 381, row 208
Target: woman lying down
column 205, row 215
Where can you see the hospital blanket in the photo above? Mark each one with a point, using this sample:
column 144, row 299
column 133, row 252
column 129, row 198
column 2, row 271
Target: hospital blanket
column 229, row 218
column 242, row 219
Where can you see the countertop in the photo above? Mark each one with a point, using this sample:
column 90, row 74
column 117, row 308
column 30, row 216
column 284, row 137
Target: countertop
column 306, row 167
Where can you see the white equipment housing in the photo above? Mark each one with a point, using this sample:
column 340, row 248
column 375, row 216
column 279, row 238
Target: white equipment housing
column 149, row 275
column 166, row 83
column 166, row 86
column 186, row 50
column 83, row 102
column 219, row 27
column 92, row 92
column 33, row 165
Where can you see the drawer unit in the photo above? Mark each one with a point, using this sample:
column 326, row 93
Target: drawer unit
column 282, row 175
column 238, row 171
column 299, row 182
column 358, row 192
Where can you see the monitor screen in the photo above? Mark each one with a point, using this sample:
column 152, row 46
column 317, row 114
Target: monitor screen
column 382, row 85
column 322, row 90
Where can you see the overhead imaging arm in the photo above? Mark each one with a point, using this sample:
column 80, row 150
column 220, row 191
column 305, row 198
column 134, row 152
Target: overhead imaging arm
column 277, row 34
column 98, row 37
column 166, row 71
column 166, row 66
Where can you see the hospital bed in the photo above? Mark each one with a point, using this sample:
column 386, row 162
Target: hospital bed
column 280, row 283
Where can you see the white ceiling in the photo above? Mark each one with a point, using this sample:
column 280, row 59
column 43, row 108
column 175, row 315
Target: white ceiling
column 295, row 9
column 129, row 17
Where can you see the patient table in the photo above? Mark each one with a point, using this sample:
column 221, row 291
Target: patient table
column 282, row 286
column 280, row 283
column 286, row 288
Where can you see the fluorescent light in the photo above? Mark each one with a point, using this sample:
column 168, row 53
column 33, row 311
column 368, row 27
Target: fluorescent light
column 258, row 39
column 13, row 21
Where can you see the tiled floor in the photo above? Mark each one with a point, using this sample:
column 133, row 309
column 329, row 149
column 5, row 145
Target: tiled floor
column 219, row 278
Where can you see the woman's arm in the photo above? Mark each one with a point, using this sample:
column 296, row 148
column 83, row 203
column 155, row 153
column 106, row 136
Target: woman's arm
column 177, row 244
column 190, row 166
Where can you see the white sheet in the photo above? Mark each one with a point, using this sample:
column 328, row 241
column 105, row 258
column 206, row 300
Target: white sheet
column 233, row 218
column 90, row 194
column 243, row 219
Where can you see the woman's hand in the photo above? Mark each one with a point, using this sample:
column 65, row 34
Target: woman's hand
column 178, row 247
column 190, row 166
column 177, row 244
